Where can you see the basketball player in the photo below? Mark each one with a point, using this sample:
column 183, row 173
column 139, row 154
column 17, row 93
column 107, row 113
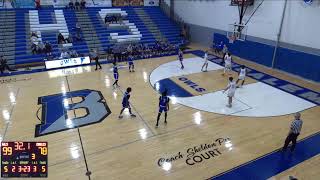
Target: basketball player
column 126, row 103
column 130, row 62
column 115, row 75
column 231, row 91
column 180, row 56
column 227, row 64
column 205, row 58
column 242, row 75
column 163, row 106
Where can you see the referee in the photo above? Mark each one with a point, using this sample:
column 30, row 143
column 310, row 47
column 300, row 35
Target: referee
column 94, row 55
column 294, row 132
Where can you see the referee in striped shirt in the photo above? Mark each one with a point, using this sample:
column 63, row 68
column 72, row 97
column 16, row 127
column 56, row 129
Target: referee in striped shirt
column 294, row 132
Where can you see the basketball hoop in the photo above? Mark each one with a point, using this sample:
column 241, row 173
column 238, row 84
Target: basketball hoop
column 237, row 32
column 232, row 38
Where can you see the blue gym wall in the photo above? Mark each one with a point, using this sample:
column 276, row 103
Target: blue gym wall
column 295, row 62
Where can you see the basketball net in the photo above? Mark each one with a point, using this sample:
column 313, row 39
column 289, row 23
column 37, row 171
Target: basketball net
column 232, row 38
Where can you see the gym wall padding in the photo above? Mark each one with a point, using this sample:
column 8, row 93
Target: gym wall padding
column 292, row 61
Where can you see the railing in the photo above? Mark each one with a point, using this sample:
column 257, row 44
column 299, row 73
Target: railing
column 22, row 3
column 175, row 17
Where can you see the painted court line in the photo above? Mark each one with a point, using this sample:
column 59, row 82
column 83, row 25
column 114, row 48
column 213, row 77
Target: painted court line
column 288, row 87
column 274, row 163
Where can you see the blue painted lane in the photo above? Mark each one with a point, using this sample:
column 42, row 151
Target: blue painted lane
column 275, row 162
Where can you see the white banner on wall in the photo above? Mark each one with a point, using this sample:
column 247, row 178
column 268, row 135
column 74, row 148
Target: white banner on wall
column 67, row 62
column 151, row 2
column 89, row 3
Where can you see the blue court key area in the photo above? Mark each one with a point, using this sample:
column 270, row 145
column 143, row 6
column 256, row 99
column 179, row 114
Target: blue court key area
column 173, row 88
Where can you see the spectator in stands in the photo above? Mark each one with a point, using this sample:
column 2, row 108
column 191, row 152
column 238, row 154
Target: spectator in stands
column 48, row 49
column 34, row 40
column 34, row 34
column 69, row 39
column 113, row 19
column 4, row 65
column 119, row 19
column 34, row 48
column 64, row 54
column 37, row 4
column 74, row 54
column 107, row 19
column 77, row 5
column 83, row 4
column 71, row 5
column 40, row 47
column 61, row 39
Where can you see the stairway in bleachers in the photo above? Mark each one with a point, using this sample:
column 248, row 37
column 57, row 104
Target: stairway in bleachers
column 145, row 25
column 149, row 23
column 7, row 35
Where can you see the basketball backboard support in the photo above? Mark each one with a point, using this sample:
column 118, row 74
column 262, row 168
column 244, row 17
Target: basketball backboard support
column 237, row 32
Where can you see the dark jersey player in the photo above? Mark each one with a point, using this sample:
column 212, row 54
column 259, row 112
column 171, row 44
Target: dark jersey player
column 163, row 106
column 126, row 103
column 130, row 62
column 115, row 75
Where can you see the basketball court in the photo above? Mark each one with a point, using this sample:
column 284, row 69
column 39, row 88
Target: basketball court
column 197, row 143
column 75, row 110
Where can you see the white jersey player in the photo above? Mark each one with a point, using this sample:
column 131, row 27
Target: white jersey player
column 231, row 88
column 242, row 75
column 227, row 63
column 205, row 58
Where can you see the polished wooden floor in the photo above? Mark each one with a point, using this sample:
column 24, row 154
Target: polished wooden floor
column 130, row 148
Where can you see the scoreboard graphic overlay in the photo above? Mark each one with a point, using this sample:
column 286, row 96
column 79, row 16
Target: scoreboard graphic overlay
column 24, row 159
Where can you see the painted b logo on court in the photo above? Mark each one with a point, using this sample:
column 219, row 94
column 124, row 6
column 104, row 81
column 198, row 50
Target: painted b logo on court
column 59, row 111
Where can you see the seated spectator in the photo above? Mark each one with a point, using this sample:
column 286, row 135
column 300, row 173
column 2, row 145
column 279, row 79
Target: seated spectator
column 34, row 48
column 69, row 39
column 37, row 4
column 71, row 5
column 74, row 54
column 48, row 49
column 64, row 54
column 34, row 40
column 61, row 39
column 119, row 18
column 107, row 19
column 113, row 19
column 4, row 65
column 34, row 34
column 40, row 47
column 77, row 5
column 83, row 4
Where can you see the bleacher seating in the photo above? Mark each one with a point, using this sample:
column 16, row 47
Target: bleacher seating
column 142, row 24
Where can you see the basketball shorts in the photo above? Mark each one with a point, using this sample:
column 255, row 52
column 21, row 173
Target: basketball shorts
column 242, row 77
column 116, row 76
column 231, row 93
column 125, row 105
column 161, row 109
